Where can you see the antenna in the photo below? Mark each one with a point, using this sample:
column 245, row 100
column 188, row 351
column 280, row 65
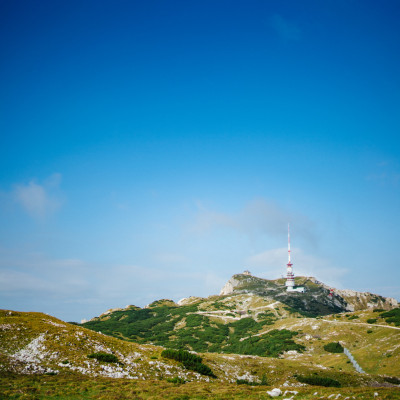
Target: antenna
column 288, row 233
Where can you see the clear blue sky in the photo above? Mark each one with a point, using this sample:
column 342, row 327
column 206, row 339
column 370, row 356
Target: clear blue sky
column 152, row 149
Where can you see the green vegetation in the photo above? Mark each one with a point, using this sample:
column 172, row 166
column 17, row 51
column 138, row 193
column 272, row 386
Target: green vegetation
column 104, row 357
column 353, row 317
column 272, row 344
column 392, row 316
column 263, row 382
column 334, row 347
column 73, row 386
column 318, row 381
column 161, row 303
column 371, row 320
column 378, row 310
column 392, row 379
column 177, row 380
column 189, row 361
column 197, row 332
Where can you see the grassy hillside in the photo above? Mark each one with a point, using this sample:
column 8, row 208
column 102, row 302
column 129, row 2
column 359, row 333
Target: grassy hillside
column 255, row 325
column 82, row 387
column 43, row 357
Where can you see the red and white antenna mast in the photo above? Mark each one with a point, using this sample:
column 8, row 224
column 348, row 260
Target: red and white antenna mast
column 289, row 275
column 288, row 236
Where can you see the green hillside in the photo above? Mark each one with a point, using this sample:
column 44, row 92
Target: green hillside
column 43, row 357
column 199, row 327
column 251, row 324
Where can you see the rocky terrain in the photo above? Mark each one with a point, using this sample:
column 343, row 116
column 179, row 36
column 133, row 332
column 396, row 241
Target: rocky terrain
column 318, row 299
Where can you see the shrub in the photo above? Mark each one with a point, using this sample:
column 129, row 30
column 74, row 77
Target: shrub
column 105, row 357
column 177, row 380
column 264, row 380
column 181, row 355
column 371, row 320
column 189, row 361
column 353, row 317
column 245, row 382
column 378, row 310
column 392, row 379
column 392, row 316
column 318, row 381
column 369, row 331
column 250, row 383
column 334, row 347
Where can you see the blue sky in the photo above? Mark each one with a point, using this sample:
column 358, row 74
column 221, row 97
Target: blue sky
column 153, row 149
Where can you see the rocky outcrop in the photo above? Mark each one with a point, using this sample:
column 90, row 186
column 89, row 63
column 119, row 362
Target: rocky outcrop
column 361, row 300
column 230, row 286
column 318, row 299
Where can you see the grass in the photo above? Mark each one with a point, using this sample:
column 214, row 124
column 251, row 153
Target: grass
column 68, row 387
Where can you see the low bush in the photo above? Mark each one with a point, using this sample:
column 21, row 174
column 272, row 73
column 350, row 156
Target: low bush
column 251, row 383
column 392, row 379
column 176, row 380
column 105, row 357
column 181, row 355
column 334, row 347
column 392, row 316
column 189, row 361
column 378, row 310
column 371, row 320
column 353, row 317
column 318, row 381
column 245, row 382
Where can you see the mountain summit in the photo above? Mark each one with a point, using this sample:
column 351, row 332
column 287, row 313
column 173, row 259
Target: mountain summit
column 318, row 298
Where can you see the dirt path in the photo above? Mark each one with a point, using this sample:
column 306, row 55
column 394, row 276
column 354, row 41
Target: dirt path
column 359, row 323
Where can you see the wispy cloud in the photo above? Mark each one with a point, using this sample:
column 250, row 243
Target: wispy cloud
column 256, row 217
column 285, row 28
column 39, row 200
column 385, row 174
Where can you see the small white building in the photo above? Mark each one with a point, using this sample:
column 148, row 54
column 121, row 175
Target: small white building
column 299, row 289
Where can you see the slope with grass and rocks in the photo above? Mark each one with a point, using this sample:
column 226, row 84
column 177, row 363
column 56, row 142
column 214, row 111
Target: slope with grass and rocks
column 40, row 345
column 318, row 298
column 247, row 319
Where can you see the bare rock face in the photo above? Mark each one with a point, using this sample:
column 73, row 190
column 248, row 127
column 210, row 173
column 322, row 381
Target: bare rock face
column 229, row 286
column 366, row 300
column 361, row 300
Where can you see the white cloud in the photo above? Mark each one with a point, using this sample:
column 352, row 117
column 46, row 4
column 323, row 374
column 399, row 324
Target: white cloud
column 38, row 200
column 284, row 28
